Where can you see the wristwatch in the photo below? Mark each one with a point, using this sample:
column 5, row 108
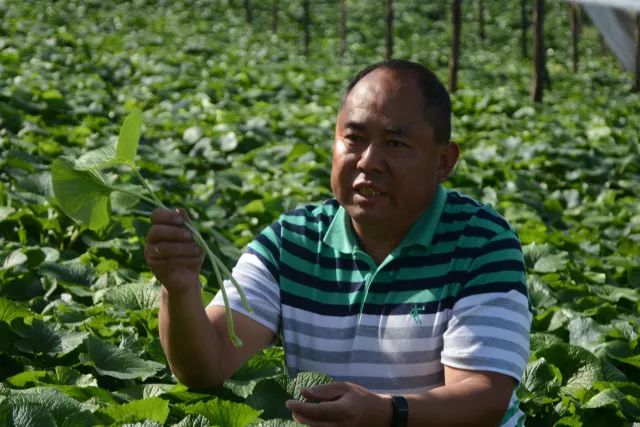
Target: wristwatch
column 400, row 414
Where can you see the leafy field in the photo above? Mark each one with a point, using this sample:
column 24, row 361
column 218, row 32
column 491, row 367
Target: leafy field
column 238, row 128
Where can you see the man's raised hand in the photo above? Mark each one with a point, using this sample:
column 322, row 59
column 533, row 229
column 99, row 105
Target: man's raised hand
column 171, row 252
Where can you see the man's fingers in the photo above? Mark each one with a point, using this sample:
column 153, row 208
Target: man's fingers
column 323, row 411
column 168, row 216
column 168, row 233
column 173, row 250
column 325, row 392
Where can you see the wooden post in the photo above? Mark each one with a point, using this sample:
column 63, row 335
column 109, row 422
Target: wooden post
column 575, row 23
column 307, row 24
column 524, row 20
column 455, row 45
column 248, row 14
column 481, row 32
column 343, row 27
column 637, row 87
column 274, row 16
column 389, row 34
column 538, row 54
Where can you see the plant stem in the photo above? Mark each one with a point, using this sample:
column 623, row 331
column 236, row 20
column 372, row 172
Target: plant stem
column 213, row 259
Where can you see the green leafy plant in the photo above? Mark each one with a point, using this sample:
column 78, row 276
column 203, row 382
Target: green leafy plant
column 84, row 194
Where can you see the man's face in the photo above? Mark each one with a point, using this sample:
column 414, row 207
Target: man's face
column 386, row 163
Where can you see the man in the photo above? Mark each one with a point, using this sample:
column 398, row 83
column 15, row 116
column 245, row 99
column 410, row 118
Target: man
column 410, row 296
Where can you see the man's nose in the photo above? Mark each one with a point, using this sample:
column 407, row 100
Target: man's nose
column 372, row 158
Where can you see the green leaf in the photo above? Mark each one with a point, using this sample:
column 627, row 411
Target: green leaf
column 99, row 158
column 551, row 263
column 65, row 375
column 224, row 412
column 10, row 310
column 129, row 137
column 584, row 332
column 117, row 362
column 154, row 408
column 22, row 379
column 25, row 415
column 82, row 195
column 542, row 378
column 306, row 380
column 270, row 396
column 56, row 403
column 193, row 420
column 139, row 295
column 47, row 338
column 14, row 259
column 279, row 422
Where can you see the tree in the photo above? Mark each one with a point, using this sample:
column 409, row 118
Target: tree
column 524, row 20
column 539, row 74
column 343, row 27
column 248, row 13
column 274, row 16
column 575, row 23
column 637, row 87
column 389, row 34
column 455, row 45
column 481, row 31
column 306, row 22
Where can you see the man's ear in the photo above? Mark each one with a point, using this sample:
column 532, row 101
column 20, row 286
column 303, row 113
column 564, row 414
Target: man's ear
column 448, row 157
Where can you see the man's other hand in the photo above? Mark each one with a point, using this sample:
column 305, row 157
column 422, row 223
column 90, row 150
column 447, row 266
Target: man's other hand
column 341, row 405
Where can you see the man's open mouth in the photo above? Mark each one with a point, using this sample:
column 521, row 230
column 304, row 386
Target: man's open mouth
column 369, row 192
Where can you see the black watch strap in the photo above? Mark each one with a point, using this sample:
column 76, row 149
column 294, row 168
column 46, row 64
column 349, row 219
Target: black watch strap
column 400, row 414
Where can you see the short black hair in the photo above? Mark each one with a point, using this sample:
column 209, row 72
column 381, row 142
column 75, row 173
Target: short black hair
column 436, row 98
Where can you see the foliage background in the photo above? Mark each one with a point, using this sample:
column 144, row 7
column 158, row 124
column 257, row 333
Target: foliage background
column 238, row 127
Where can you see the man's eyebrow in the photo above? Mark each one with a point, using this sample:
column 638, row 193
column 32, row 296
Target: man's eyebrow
column 354, row 125
column 396, row 130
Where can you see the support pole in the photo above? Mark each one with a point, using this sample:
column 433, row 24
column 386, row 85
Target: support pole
column 454, row 59
column 538, row 54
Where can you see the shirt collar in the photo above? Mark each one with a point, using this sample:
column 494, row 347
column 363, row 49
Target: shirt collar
column 340, row 234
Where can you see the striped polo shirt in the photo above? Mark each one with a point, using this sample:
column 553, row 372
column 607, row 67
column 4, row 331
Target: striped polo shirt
column 452, row 293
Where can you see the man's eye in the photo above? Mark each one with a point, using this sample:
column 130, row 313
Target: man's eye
column 396, row 143
column 354, row 138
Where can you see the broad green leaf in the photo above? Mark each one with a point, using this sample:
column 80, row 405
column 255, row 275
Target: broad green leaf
column 5, row 211
column 270, row 396
column 542, row 378
column 14, row 259
column 56, row 403
column 82, row 195
column 584, row 332
column 10, row 310
column 127, row 146
column 47, row 337
column 145, row 423
column 116, row 362
column 25, row 415
column 279, row 422
column 193, row 420
column 27, row 377
column 154, row 408
column 306, row 380
column 65, row 375
column 224, row 413
column 97, row 159
column 551, row 263
column 139, row 295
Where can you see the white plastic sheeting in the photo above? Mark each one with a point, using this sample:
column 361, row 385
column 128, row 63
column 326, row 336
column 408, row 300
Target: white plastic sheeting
column 615, row 19
column 630, row 5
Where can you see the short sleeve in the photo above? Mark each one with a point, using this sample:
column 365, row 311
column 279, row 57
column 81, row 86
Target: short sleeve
column 256, row 272
column 490, row 322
